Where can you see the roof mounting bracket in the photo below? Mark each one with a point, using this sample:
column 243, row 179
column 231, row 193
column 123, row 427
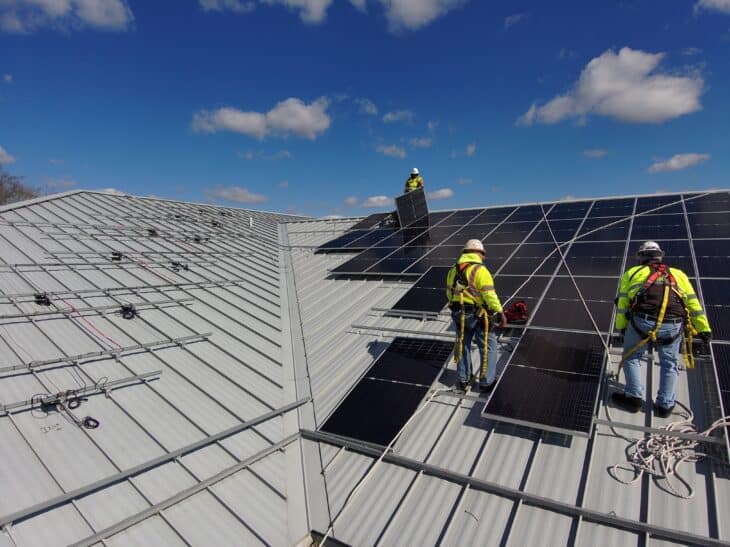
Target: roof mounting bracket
column 42, row 299
column 128, row 311
column 117, row 256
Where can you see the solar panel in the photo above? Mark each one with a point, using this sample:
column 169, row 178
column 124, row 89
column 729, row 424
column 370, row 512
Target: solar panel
column 390, row 391
column 709, row 225
column 656, row 205
column 373, row 221
column 427, row 294
column 721, row 357
column 411, row 207
column 716, row 293
column 612, row 208
column 659, row 227
column 717, row 201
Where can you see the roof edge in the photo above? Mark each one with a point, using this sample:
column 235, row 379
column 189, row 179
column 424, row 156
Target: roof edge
column 40, row 199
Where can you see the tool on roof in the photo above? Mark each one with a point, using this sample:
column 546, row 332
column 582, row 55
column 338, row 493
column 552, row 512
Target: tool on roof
column 128, row 311
column 176, row 266
column 64, row 402
column 517, row 312
column 42, row 299
column 152, row 232
column 116, row 256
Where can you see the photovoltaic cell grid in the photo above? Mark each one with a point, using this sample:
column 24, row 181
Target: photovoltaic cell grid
column 598, row 240
column 390, row 391
column 721, row 354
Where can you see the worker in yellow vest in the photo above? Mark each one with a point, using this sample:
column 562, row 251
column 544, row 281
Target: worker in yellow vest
column 413, row 182
column 654, row 303
column 473, row 300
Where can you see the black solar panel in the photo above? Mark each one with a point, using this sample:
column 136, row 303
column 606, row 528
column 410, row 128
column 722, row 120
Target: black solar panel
column 390, row 391
column 709, row 225
column 373, row 221
column 427, row 294
column 411, row 207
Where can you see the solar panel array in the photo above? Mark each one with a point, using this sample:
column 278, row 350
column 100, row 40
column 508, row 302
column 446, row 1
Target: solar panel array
column 596, row 242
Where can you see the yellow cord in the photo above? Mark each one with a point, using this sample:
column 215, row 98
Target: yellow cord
column 460, row 338
column 483, row 374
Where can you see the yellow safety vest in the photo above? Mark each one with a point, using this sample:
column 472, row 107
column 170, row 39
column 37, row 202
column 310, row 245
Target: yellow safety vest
column 412, row 183
column 633, row 280
column 480, row 290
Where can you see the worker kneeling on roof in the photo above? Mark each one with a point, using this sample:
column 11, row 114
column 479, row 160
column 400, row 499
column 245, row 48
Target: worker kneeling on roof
column 414, row 182
column 654, row 304
column 472, row 298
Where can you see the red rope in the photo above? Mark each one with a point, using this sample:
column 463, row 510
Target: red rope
column 90, row 324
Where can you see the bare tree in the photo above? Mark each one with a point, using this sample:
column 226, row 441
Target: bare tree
column 12, row 189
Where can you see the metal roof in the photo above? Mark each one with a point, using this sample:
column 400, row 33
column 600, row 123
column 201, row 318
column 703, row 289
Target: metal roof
column 245, row 354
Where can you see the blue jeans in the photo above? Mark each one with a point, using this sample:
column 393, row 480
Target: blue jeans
column 668, row 355
column 474, row 329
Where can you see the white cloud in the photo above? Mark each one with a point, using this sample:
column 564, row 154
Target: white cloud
column 471, row 149
column 432, row 125
column 8, row 78
column 690, row 51
column 595, row 153
column 678, row 162
column 422, row 142
column 112, row 191
column 23, row 16
column 331, row 217
column 442, row 193
column 367, row 106
column 391, row 150
column 310, row 11
column 512, row 20
column 624, row 86
column 55, row 161
column 465, row 182
column 351, row 201
column 723, row 6
column 235, row 193
column 377, row 201
column 249, row 155
column 398, row 116
column 289, row 117
column 414, row 14
column 5, row 158
column 283, row 184
column 236, row 6
column 60, row 184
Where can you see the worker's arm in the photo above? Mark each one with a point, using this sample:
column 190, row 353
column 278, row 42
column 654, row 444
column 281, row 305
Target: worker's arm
column 623, row 302
column 484, row 284
column 696, row 313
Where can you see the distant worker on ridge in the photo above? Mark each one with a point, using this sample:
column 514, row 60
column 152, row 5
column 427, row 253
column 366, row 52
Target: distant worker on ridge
column 653, row 303
column 413, row 182
column 472, row 298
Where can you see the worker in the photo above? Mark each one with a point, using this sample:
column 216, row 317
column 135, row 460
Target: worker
column 655, row 300
column 413, row 182
column 473, row 300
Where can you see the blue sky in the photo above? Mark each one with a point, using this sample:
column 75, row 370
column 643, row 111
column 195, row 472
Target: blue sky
column 323, row 106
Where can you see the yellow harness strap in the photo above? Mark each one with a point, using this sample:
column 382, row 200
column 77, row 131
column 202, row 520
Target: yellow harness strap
column 687, row 339
column 460, row 337
column 483, row 372
column 651, row 335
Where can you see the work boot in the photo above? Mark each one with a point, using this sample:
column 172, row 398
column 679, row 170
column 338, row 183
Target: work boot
column 661, row 411
column 486, row 388
column 626, row 402
column 461, row 386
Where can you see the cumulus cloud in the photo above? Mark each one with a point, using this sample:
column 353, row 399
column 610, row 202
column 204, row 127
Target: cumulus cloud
column 625, row 86
column 235, row 193
column 310, row 11
column 289, row 117
column 723, row 6
column 392, row 150
column 471, row 149
column 678, row 162
column 442, row 193
column 465, row 181
column 5, row 158
column 23, row 16
column 351, row 201
column 414, row 14
column 512, row 20
column 367, row 106
column 112, row 191
column 398, row 116
column 236, row 6
column 422, row 142
column 595, row 153
column 8, row 78
column 377, row 201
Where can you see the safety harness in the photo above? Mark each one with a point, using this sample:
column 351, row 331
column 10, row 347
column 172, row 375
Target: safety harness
column 461, row 284
column 660, row 270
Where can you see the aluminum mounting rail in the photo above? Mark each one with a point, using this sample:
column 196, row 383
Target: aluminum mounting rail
column 110, row 262
column 106, row 353
column 39, row 508
column 151, row 253
column 403, row 331
column 98, row 387
column 68, row 311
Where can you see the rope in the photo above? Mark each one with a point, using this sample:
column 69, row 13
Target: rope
column 660, row 456
column 97, row 332
column 369, row 474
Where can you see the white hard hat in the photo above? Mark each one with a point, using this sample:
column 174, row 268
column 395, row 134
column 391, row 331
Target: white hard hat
column 414, row 171
column 650, row 248
column 474, row 245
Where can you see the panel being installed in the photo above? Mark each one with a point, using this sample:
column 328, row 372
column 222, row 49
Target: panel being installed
column 411, row 206
column 390, row 391
column 550, row 383
column 427, row 295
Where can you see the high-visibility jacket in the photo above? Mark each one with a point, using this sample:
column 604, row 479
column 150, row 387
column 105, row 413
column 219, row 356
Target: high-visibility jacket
column 633, row 280
column 480, row 290
column 412, row 183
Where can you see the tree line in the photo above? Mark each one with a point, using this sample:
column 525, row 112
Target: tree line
column 12, row 188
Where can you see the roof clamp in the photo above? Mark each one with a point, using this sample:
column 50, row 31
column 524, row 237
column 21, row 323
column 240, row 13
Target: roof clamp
column 116, row 256
column 128, row 311
column 42, row 299
column 177, row 266
column 197, row 238
column 215, row 224
column 152, row 232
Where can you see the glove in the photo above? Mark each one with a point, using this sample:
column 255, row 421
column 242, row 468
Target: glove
column 706, row 337
column 502, row 320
